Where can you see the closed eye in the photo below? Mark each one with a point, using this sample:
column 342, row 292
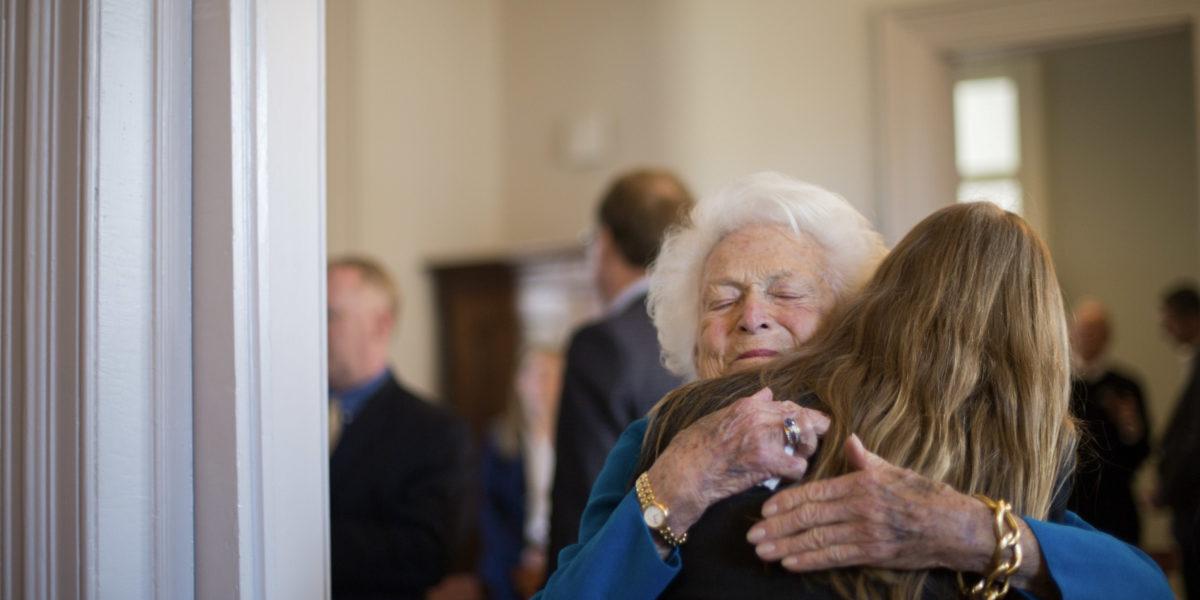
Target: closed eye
column 720, row 304
column 790, row 291
column 721, row 296
column 789, row 295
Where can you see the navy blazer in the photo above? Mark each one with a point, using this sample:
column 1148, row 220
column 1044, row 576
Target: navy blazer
column 400, row 484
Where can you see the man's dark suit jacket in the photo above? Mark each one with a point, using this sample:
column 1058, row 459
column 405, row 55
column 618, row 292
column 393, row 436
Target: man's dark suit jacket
column 613, row 375
column 1103, row 492
column 1179, row 477
column 399, row 482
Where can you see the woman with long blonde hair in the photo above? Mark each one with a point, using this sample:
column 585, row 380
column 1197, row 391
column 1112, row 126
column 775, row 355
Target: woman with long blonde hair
column 953, row 362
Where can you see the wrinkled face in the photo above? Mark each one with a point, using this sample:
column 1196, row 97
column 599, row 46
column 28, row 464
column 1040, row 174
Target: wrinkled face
column 359, row 326
column 763, row 294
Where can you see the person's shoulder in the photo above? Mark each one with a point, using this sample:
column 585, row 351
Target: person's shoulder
column 633, row 329
column 634, row 315
column 1119, row 376
column 637, row 429
column 624, row 454
column 596, row 337
column 600, row 327
column 421, row 413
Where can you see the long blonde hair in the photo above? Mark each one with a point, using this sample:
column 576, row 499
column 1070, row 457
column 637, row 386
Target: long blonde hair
column 953, row 362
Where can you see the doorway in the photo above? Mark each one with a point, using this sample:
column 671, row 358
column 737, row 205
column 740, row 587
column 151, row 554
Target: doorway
column 1102, row 151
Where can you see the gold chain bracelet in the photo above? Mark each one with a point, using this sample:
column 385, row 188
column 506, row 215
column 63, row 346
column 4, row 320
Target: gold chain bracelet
column 1006, row 558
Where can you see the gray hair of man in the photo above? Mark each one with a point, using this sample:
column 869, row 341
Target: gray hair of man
column 852, row 249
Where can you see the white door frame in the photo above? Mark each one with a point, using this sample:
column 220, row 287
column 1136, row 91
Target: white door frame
column 915, row 161
column 259, row 300
column 162, row 311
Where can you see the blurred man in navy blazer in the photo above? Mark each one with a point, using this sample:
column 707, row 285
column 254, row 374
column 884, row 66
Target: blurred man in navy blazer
column 613, row 370
column 399, row 466
column 1179, row 468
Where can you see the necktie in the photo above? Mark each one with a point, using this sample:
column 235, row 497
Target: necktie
column 336, row 419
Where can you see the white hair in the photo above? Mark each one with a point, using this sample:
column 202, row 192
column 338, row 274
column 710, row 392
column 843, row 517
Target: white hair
column 852, row 249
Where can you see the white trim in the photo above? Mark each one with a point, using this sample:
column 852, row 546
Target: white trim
column 913, row 50
column 258, row 249
column 40, row 285
column 224, row 246
column 139, row 406
column 102, row 419
column 172, row 368
column 97, row 472
column 916, row 131
column 90, row 309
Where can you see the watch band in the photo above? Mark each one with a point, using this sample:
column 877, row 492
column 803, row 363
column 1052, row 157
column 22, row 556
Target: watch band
column 646, row 499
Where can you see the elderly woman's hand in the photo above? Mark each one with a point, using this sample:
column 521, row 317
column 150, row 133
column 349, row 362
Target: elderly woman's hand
column 884, row 516
column 730, row 451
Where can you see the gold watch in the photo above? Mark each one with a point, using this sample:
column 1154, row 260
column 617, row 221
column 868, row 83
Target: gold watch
column 655, row 513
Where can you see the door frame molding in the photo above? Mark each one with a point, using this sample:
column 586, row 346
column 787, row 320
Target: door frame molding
column 260, row 407
column 162, row 354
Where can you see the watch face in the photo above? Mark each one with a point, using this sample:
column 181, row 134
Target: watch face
column 654, row 516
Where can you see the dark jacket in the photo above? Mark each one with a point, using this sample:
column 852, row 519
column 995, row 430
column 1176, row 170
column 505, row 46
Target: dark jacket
column 613, row 376
column 1103, row 492
column 399, row 491
column 1179, row 469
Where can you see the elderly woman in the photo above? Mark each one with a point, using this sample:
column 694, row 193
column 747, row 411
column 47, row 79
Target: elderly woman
column 762, row 263
column 953, row 362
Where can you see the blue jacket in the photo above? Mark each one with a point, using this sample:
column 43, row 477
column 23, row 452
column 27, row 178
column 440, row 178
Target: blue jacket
column 615, row 556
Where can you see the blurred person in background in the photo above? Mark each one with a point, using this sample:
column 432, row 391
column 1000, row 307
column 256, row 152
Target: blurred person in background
column 517, row 464
column 399, row 471
column 1112, row 410
column 539, row 385
column 1179, row 465
column 613, row 374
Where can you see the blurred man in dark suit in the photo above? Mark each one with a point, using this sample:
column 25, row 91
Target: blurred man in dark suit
column 613, row 371
column 1179, row 469
column 1113, row 412
column 399, row 472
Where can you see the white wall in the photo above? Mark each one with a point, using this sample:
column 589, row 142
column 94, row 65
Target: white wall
column 414, row 149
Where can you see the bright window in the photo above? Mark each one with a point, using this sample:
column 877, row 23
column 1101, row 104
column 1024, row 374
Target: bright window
column 988, row 141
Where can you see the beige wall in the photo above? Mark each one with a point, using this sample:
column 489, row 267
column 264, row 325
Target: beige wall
column 414, row 145
column 445, row 120
column 567, row 61
column 714, row 89
column 445, row 117
column 1121, row 162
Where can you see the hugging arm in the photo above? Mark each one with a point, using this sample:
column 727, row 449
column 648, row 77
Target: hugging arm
column 614, row 556
column 885, row 516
